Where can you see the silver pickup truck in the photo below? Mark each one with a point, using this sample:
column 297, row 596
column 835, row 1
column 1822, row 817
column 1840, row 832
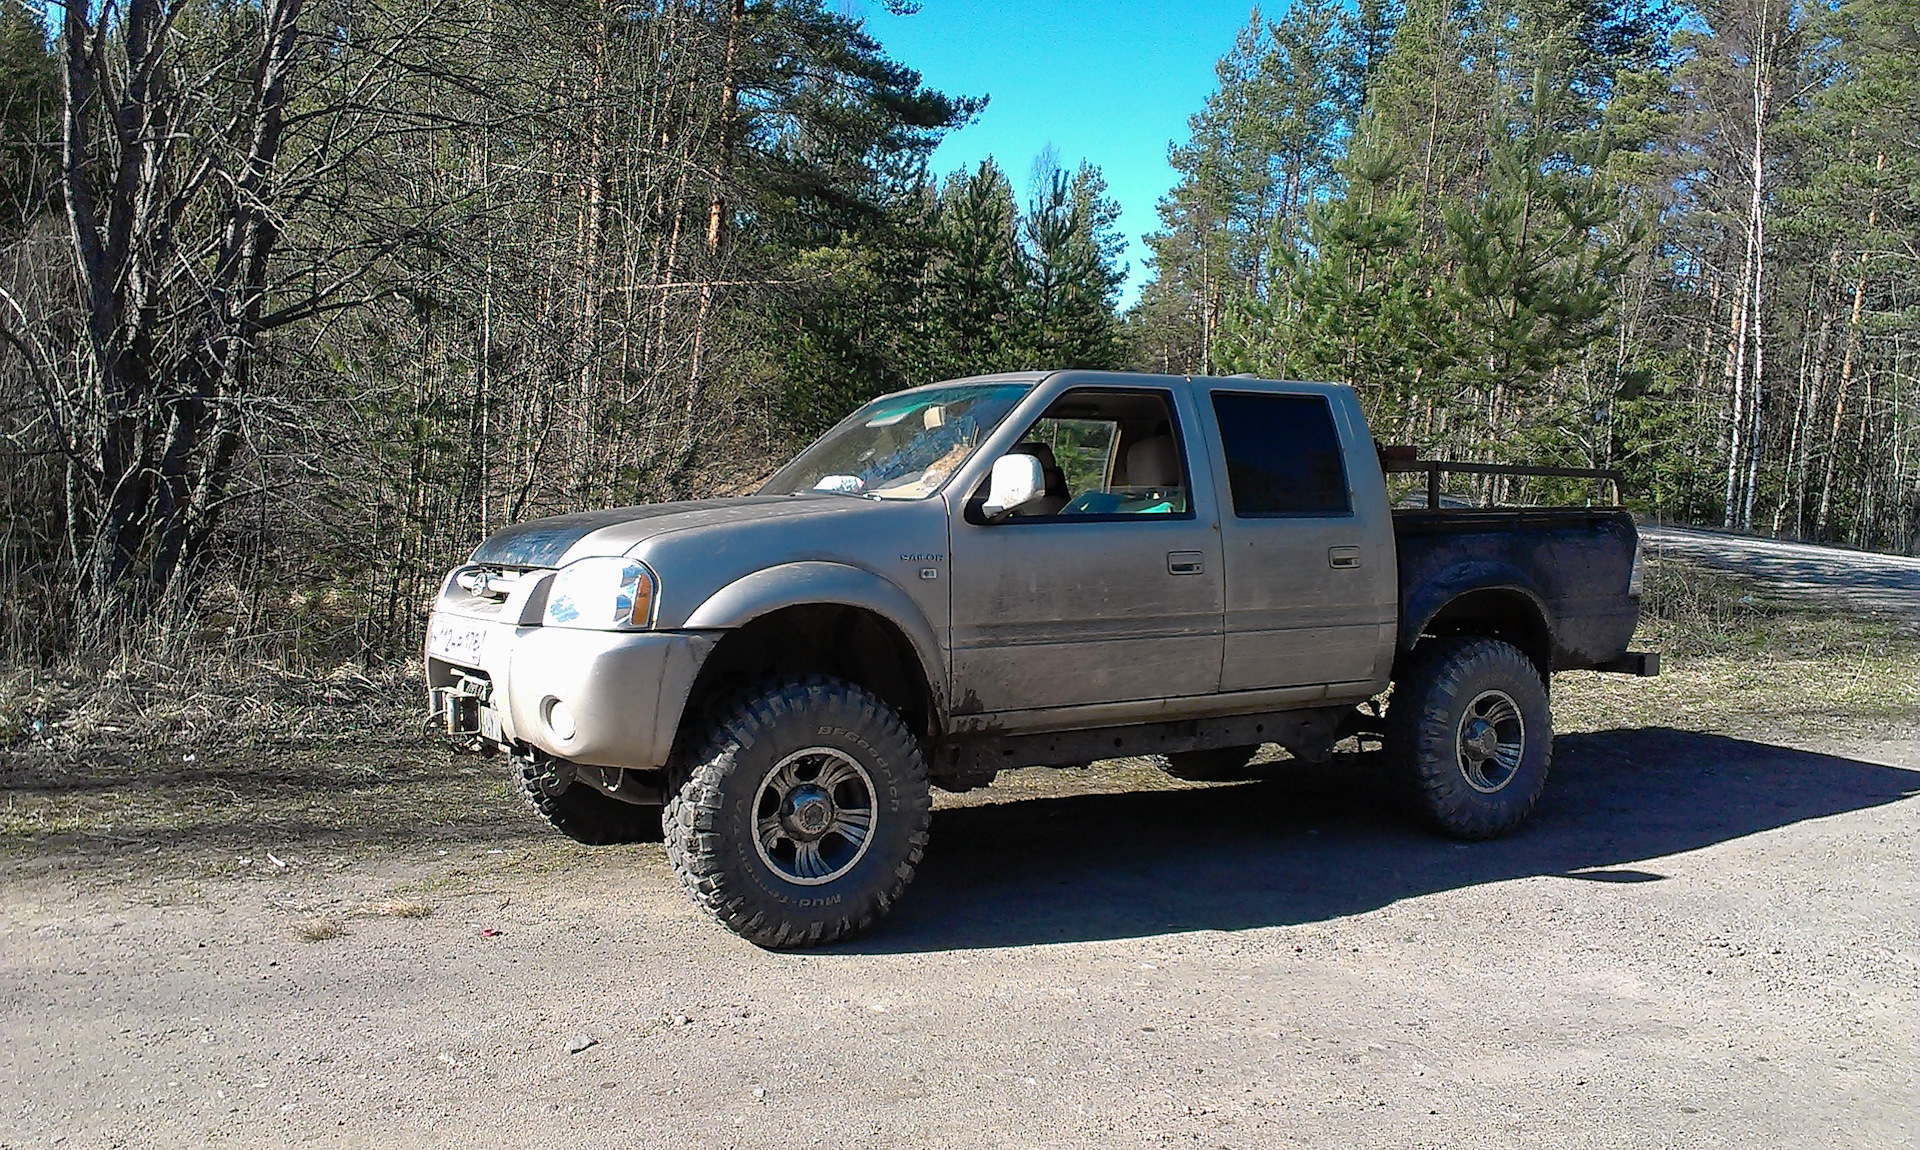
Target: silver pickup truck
column 1016, row 570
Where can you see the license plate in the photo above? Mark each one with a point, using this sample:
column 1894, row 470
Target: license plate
column 490, row 725
column 456, row 641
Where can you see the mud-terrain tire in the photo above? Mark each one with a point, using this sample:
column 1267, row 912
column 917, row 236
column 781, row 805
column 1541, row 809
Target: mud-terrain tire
column 1217, row 765
column 580, row 812
column 766, row 829
column 1470, row 735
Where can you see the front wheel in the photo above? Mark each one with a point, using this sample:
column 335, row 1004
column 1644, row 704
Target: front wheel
column 577, row 810
column 802, row 817
column 1470, row 733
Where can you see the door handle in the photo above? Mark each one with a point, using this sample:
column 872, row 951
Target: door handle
column 1186, row 563
column 1342, row 558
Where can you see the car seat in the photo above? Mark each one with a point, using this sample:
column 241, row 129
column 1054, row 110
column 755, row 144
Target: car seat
column 1057, row 493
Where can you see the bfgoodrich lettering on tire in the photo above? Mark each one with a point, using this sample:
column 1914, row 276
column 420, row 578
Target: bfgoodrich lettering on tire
column 1470, row 733
column 803, row 814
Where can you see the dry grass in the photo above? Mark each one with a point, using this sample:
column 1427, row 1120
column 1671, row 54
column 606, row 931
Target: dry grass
column 210, row 767
column 405, row 908
column 206, row 770
column 226, row 812
column 228, row 759
column 318, row 929
column 1739, row 660
column 54, row 717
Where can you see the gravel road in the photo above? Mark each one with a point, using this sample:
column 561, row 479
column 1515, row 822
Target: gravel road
column 1702, row 941
column 1862, row 580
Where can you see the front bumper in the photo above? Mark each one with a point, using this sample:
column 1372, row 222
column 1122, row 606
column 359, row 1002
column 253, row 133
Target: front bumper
column 624, row 690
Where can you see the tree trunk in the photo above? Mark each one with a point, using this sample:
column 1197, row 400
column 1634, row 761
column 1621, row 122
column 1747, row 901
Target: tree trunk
column 1845, row 385
column 716, row 221
column 1736, row 377
column 163, row 456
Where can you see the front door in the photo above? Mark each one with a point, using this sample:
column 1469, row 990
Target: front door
column 1107, row 590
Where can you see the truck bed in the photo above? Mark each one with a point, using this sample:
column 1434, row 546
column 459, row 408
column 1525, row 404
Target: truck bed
column 1574, row 563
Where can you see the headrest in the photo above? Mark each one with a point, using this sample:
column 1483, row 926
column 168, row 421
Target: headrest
column 1041, row 451
column 1153, row 463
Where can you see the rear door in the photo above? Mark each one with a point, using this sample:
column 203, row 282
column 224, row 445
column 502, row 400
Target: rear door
column 1309, row 589
column 1112, row 596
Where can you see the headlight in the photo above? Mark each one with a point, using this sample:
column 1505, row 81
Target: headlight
column 601, row 594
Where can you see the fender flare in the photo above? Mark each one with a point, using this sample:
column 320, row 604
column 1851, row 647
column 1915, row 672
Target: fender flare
column 817, row 582
column 1437, row 592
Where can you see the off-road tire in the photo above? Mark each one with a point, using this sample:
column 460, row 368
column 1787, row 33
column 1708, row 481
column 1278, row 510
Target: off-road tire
column 710, row 819
column 1217, row 765
column 580, row 812
column 1424, row 735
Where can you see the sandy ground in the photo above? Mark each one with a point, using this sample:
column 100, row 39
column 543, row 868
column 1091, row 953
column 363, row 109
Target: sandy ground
column 1702, row 941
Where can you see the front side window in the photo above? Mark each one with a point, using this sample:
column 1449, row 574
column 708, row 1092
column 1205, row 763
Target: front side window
column 1283, row 455
column 900, row 446
column 1106, row 454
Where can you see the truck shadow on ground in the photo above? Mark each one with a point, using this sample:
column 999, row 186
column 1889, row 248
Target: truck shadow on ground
column 1315, row 843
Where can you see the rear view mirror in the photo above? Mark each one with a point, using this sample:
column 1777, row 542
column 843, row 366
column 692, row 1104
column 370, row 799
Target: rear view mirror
column 1017, row 481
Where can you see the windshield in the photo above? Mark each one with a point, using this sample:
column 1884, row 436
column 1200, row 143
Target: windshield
column 900, row 446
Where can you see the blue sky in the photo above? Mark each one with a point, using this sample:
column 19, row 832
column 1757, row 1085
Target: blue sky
column 1112, row 83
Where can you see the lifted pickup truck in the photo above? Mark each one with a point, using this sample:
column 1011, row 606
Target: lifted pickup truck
column 1016, row 570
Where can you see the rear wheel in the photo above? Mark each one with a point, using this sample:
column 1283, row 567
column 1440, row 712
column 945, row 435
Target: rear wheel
column 1216, row 765
column 802, row 817
column 1470, row 733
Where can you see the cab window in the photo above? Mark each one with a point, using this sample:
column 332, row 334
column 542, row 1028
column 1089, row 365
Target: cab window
column 1283, row 455
column 1107, row 454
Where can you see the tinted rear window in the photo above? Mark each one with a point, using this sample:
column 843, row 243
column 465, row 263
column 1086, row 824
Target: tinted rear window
column 1283, row 456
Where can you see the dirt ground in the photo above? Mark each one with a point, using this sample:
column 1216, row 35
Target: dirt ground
column 1706, row 938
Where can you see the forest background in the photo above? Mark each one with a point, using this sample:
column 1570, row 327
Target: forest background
column 301, row 298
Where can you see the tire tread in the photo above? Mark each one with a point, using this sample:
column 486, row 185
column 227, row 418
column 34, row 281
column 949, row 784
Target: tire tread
column 1421, row 718
column 694, row 808
column 581, row 813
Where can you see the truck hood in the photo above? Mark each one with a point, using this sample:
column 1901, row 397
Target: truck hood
column 559, row 539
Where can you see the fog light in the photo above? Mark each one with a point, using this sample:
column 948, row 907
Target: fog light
column 559, row 720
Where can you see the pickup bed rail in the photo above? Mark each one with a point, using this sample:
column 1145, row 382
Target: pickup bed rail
column 1402, row 461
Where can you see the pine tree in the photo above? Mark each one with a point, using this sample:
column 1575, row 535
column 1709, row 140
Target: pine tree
column 1071, row 278
column 1259, row 155
column 970, row 308
column 1852, row 224
column 1354, row 308
column 1532, row 286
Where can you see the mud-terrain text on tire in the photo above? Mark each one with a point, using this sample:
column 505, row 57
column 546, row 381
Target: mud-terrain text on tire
column 802, row 815
column 1470, row 734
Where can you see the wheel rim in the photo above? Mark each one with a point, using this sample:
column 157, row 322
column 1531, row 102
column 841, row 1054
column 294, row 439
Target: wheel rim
column 813, row 816
column 1491, row 738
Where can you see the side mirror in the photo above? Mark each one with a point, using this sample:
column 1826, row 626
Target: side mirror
column 1017, row 481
